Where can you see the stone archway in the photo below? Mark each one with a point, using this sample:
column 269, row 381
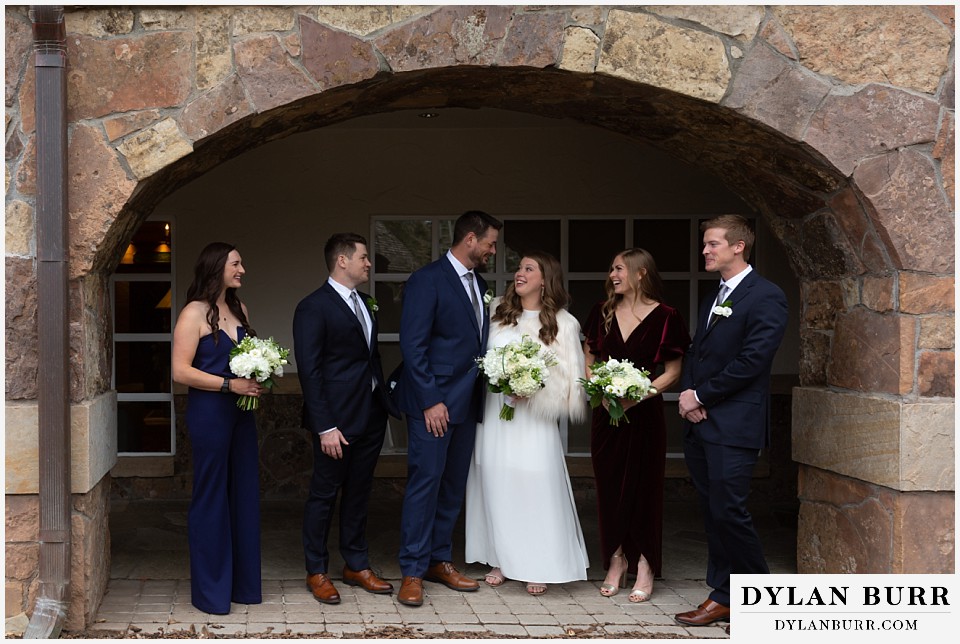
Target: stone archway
column 851, row 164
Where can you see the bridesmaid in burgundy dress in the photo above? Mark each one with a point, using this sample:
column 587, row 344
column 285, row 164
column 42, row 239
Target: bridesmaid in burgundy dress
column 628, row 461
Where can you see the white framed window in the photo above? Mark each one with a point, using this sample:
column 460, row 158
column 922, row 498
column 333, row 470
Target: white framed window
column 584, row 244
column 142, row 299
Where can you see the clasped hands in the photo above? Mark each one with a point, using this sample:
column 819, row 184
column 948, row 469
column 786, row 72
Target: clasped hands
column 690, row 409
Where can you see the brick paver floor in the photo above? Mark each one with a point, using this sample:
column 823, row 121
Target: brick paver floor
column 163, row 606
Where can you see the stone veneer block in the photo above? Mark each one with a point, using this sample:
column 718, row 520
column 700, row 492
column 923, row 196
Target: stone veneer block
column 93, row 444
column 877, row 293
column 18, row 42
column 866, row 44
column 776, row 92
column 902, row 446
column 909, row 210
column 850, row 526
column 641, row 48
column 270, row 78
column 451, row 35
column 334, row 58
column 850, row 215
column 99, row 23
column 822, row 301
column 110, row 76
column 155, row 148
column 19, row 231
column 935, row 374
column 214, row 60
column 876, row 119
column 739, row 21
column 579, row 50
column 927, row 446
column 216, row 109
column 124, row 124
column 937, row 332
column 873, row 352
column 362, row 20
column 920, row 293
column 98, row 188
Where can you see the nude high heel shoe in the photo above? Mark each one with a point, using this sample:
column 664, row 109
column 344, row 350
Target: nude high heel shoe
column 609, row 590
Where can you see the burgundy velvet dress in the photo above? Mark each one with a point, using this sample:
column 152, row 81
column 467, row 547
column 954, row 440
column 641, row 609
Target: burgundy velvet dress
column 629, row 460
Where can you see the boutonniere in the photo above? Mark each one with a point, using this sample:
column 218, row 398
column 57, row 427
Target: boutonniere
column 488, row 297
column 372, row 304
column 724, row 310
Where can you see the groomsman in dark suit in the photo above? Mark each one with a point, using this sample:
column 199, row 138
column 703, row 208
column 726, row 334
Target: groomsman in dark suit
column 345, row 408
column 724, row 396
column 443, row 329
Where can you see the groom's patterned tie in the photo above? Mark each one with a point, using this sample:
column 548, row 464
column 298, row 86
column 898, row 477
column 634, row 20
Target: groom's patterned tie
column 359, row 314
column 473, row 298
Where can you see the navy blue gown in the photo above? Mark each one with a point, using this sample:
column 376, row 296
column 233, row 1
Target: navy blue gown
column 223, row 523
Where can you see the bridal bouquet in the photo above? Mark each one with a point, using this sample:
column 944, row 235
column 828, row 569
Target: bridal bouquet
column 613, row 380
column 517, row 369
column 260, row 359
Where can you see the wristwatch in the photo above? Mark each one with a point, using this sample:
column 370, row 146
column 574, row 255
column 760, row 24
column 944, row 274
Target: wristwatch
column 225, row 387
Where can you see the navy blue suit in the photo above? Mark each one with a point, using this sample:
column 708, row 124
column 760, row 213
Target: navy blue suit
column 440, row 339
column 728, row 365
column 336, row 370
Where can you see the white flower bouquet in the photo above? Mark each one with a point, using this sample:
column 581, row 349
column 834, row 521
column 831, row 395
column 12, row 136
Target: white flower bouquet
column 517, row 369
column 613, row 380
column 260, row 359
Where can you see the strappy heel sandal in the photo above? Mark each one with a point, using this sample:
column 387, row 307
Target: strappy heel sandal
column 609, row 590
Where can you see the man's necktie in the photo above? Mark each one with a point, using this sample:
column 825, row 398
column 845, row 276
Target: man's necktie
column 359, row 314
column 473, row 298
column 721, row 298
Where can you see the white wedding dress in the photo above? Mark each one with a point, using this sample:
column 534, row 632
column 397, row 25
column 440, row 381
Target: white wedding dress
column 520, row 512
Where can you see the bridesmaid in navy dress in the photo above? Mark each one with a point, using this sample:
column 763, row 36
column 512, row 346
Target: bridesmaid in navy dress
column 223, row 523
column 633, row 324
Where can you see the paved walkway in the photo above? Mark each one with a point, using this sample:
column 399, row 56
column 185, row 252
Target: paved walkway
column 149, row 588
column 163, row 606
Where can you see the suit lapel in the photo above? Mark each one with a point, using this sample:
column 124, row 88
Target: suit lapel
column 742, row 290
column 342, row 306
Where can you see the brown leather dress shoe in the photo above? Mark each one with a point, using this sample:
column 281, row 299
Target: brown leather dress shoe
column 367, row 580
column 444, row 573
column 707, row 613
column 411, row 591
column 323, row 589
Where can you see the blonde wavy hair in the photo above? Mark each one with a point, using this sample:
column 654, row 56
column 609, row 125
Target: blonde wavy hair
column 644, row 280
column 553, row 298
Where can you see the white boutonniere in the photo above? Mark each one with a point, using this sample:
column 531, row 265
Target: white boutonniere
column 488, row 297
column 723, row 310
column 372, row 304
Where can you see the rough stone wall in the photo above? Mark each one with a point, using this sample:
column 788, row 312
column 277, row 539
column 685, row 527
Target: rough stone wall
column 90, row 553
column 849, row 157
column 837, row 123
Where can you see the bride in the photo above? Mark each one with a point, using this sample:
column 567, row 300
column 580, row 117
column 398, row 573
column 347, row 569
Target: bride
column 520, row 515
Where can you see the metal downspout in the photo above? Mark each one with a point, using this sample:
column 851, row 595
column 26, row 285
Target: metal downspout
column 53, row 388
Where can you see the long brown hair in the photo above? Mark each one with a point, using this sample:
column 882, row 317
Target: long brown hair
column 639, row 263
column 207, row 283
column 553, row 298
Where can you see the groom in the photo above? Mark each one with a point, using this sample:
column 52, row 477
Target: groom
column 345, row 407
column 725, row 388
column 443, row 329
